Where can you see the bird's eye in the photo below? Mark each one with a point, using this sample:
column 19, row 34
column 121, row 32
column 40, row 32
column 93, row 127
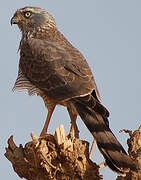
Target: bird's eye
column 27, row 14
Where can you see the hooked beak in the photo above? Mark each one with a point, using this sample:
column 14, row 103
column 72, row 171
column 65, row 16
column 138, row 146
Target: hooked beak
column 14, row 20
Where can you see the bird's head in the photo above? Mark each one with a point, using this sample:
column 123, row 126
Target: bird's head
column 30, row 18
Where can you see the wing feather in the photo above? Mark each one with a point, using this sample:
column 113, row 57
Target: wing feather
column 58, row 70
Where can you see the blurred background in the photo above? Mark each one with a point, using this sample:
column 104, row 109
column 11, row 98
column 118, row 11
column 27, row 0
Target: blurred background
column 108, row 35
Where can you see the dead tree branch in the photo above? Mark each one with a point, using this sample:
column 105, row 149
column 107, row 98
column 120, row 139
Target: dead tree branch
column 134, row 150
column 57, row 157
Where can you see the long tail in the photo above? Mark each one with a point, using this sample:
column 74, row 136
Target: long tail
column 95, row 116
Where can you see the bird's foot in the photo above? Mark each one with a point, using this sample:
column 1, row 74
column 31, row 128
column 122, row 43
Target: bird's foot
column 73, row 133
column 43, row 133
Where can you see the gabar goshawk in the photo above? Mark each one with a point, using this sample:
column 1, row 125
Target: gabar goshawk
column 52, row 68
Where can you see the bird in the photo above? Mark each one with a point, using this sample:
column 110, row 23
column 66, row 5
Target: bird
column 52, row 68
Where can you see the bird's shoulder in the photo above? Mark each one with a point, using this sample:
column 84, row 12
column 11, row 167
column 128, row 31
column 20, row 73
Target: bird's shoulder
column 55, row 51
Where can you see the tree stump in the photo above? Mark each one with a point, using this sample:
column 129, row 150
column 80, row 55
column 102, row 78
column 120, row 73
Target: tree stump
column 57, row 157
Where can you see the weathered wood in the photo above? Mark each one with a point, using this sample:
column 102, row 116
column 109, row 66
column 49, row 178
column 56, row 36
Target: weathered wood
column 57, row 157
column 134, row 150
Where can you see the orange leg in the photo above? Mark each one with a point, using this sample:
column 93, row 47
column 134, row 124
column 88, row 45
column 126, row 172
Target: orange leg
column 50, row 111
column 74, row 129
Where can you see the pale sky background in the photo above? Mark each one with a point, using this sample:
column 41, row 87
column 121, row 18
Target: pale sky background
column 108, row 33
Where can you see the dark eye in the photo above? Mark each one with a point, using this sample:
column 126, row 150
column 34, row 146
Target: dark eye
column 27, row 14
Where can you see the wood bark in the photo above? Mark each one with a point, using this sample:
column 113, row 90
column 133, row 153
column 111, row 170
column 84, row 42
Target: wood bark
column 134, row 150
column 61, row 157
column 57, row 157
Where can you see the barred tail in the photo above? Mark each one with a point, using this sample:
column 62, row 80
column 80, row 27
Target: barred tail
column 114, row 154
